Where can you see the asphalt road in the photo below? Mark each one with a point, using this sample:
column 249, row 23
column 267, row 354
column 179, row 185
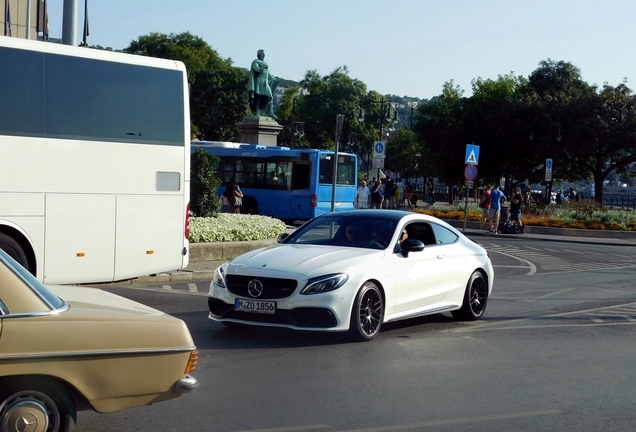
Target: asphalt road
column 554, row 352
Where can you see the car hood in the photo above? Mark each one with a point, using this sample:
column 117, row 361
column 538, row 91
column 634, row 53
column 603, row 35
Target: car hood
column 99, row 302
column 308, row 260
column 94, row 322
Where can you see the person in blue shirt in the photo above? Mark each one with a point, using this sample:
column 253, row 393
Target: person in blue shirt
column 496, row 196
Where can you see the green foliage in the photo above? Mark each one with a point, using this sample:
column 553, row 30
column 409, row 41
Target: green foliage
column 218, row 90
column 203, row 184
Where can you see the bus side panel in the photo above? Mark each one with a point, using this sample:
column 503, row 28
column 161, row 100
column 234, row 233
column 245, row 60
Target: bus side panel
column 76, row 251
column 345, row 198
column 150, row 237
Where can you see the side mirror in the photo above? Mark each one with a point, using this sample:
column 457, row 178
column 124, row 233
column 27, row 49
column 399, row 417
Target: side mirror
column 411, row 245
column 282, row 237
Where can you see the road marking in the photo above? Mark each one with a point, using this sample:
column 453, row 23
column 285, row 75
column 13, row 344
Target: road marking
column 290, row 428
column 582, row 314
column 465, row 420
column 192, row 287
column 533, row 268
column 166, row 287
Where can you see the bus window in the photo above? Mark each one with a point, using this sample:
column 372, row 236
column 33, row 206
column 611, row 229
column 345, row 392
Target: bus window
column 346, row 169
column 301, row 176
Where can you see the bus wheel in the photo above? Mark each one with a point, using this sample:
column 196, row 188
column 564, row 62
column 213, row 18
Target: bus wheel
column 13, row 249
column 250, row 206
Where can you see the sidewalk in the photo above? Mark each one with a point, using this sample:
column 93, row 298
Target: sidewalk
column 206, row 257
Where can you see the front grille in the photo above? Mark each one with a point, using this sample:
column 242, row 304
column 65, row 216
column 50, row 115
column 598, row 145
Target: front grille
column 301, row 317
column 273, row 288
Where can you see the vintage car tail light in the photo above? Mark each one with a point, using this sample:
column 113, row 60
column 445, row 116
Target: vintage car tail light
column 192, row 362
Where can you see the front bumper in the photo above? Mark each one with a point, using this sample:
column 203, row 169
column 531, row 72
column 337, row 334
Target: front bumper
column 299, row 318
column 186, row 385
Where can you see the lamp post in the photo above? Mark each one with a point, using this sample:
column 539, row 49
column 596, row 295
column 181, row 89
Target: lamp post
column 413, row 106
column 298, row 128
column 548, row 179
column 385, row 112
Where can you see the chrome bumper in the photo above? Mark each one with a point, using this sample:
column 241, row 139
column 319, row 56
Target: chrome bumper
column 186, row 385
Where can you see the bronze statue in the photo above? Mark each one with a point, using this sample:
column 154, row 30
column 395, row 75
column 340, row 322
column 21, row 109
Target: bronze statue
column 260, row 92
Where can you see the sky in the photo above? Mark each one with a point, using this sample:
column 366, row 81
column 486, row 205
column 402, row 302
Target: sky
column 402, row 47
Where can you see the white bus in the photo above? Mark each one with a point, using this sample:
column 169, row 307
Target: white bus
column 94, row 162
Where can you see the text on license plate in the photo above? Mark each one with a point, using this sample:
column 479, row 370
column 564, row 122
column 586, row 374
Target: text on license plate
column 259, row 306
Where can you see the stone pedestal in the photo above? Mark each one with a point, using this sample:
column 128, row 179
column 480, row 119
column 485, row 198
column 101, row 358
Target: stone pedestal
column 259, row 130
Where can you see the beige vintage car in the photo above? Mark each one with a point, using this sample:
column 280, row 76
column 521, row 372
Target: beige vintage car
column 65, row 349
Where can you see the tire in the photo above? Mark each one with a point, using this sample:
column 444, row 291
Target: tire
column 46, row 407
column 367, row 313
column 14, row 250
column 475, row 298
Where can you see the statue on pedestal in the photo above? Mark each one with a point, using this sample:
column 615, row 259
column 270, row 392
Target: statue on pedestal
column 260, row 92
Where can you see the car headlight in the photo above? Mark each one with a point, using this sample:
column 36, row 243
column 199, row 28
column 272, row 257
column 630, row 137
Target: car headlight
column 219, row 277
column 325, row 283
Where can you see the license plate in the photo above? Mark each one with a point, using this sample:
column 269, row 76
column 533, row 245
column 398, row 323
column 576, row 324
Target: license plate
column 258, row 306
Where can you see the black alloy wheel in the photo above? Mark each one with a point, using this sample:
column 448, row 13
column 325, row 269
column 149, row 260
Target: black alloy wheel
column 367, row 313
column 475, row 298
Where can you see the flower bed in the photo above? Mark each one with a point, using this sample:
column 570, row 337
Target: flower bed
column 571, row 216
column 228, row 227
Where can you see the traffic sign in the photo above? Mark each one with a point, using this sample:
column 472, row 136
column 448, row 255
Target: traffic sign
column 379, row 149
column 378, row 163
column 548, row 170
column 472, row 154
column 470, row 172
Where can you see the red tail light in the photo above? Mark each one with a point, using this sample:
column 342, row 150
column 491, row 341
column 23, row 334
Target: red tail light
column 187, row 222
column 314, row 200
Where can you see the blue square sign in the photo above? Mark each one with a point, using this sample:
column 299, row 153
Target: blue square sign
column 472, row 154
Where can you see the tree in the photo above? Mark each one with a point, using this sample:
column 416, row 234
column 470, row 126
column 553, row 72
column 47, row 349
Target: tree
column 203, row 184
column 603, row 141
column 218, row 90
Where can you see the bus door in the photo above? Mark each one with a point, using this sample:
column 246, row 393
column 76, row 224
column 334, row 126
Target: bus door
column 301, row 197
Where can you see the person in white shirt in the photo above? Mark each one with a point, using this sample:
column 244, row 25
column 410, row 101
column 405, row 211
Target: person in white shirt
column 400, row 200
column 363, row 195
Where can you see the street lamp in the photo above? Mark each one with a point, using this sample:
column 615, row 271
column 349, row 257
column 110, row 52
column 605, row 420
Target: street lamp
column 385, row 112
column 548, row 182
column 298, row 128
column 413, row 106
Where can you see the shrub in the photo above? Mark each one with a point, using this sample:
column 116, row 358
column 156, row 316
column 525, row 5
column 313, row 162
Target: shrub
column 226, row 227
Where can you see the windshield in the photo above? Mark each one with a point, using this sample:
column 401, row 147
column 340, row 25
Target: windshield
column 337, row 230
column 47, row 296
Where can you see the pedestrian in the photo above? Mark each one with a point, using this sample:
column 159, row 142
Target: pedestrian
column 430, row 192
column 234, row 196
column 389, row 186
column 376, row 196
column 408, row 191
column 225, row 204
column 573, row 196
column 559, row 197
column 363, row 195
column 515, row 208
column 496, row 197
column 399, row 194
column 484, row 203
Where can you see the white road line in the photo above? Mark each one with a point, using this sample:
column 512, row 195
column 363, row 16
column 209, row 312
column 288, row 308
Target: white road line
column 629, row 318
column 290, row 428
column 166, row 287
column 193, row 287
column 597, row 320
column 457, row 421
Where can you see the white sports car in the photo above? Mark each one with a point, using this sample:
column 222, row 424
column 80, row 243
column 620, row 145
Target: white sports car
column 352, row 271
